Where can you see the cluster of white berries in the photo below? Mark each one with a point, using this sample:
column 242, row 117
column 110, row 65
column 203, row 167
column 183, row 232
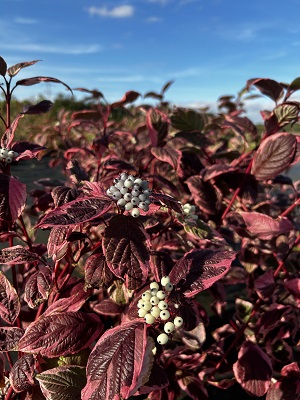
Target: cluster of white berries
column 7, row 155
column 189, row 211
column 153, row 307
column 131, row 193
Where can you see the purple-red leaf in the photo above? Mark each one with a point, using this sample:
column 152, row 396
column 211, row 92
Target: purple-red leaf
column 125, row 250
column 40, row 79
column 21, row 375
column 167, row 154
column 76, row 212
column 62, row 383
column 12, row 200
column 129, row 97
column 168, row 201
column 268, row 87
column 17, row 255
column 3, row 66
column 27, row 150
column 40, row 108
column 253, row 369
column 38, row 286
column 199, row 269
column 9, row 338
column 60, row 334
column 274, row 155
column 265, row 227
column 9, row 301
column 97, row 273
column 120, row 363
column 207, row 196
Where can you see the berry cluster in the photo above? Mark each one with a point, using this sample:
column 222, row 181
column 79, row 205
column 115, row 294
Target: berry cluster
column 189, row 211
column 153, row 307
column 7, row 155
column 131, row 193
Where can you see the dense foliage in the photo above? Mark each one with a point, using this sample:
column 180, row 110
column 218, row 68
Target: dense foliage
column 171, row 267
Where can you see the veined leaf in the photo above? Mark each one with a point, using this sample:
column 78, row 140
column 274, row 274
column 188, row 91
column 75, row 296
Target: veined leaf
column 274, row 155
column 125, row 250
column 60, row 334
column 9, row 338
column 62, row 383
column 120, row 363
column 21, row 375
column 9, row 301
column 167, row 154
column 76, row 212
column 199, row 269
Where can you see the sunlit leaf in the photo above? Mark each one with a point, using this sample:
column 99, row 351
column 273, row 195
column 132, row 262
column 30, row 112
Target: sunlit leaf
column 9, row 301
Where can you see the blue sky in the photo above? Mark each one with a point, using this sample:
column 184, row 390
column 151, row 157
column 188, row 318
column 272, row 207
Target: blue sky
column 208, row 47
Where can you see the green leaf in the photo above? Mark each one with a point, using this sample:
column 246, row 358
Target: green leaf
column 295, row 84
column 287, row 112
column 62, row 383
column 187, row 120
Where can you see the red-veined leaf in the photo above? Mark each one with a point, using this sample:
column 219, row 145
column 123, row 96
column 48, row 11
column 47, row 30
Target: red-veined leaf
column 167, row 154
column 265, row 227
column 199, row 269
column 62, row 383
column 125, row 251
column 253, row 369
column 274, row 155
column 9, row 338
column 76, row 212
column 167, row 201
column 61, row 333
column 9, row 301
column 21, row 375
column 8, row 136
column 120, row 363
column 39, row 79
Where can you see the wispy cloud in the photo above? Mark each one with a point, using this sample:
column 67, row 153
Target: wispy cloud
column 162, row 2
column 63, row 49
column 154, row 19
column 25, row 21
column 130, row 78
column 115, row 12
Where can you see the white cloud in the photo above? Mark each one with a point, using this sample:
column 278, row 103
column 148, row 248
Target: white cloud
column 115, row 12
column 63, row 49
column 26, row 21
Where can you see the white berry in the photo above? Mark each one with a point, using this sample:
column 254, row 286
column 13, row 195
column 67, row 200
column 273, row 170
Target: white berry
column 154, row 285
column 142, row 312
column 146, row 296
column 149, row 319
column 163, row 305
column 121, row 202
column 134, row 201
column 164, row 280
column 169, row 327
column 178, row 321
column 155, row 311
column 4, row 152
column 140, row 303
column 128, row 183
column 135, row 212
column 169, row 287
column 128, row 206
column 161, row 294
column 163, row 338
column 8, row 160
column 164, row 315
column 147, row 306
column 154, row 300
